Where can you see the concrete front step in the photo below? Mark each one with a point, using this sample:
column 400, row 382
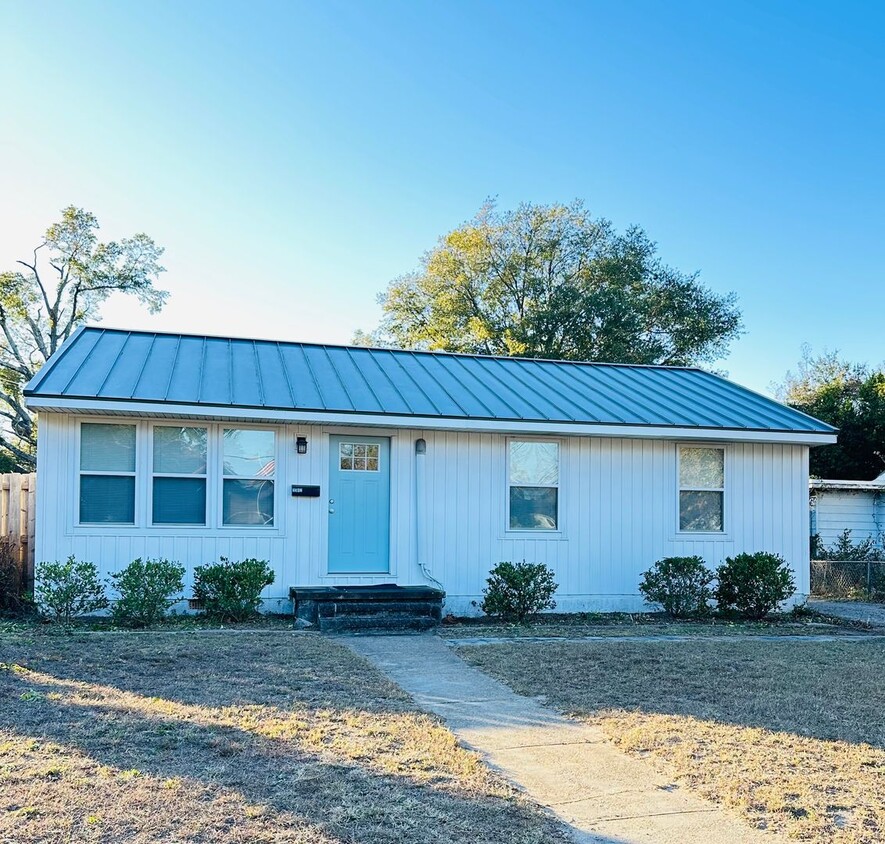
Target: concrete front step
column 386, row 607
column 375, row 623
column 417, row 608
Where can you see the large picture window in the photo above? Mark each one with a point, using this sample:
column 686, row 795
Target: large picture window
column 179, row 475
column 701, row 489
column 533, row 485
column 107, row 474
column 248, row 470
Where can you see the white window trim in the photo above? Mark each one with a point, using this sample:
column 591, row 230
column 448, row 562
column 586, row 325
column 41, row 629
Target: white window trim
column 79, row 473
column 221, row 477
column 144, row 480
column 365, row 441
column 552, row 533
column 726, row 459
column 151, row 474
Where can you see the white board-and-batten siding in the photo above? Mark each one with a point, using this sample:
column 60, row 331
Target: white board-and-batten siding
column 862, row 511
column 617, row 514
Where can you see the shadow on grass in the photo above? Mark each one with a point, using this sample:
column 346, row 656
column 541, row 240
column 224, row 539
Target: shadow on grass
column 269, row 737
column 789, row 733
column 827, row 690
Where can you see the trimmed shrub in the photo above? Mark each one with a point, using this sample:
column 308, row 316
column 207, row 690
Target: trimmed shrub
column 69, row 589
column 681, row 585
column 754, row 584
column 147, row 589
column 232, row 591
column 516, row 590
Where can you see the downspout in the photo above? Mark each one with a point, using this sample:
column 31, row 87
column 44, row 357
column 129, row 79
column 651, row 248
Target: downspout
column 420, row 515
column 812, row 523
column 878, row 509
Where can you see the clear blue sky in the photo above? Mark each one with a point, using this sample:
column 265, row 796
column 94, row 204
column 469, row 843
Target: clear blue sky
column 294, row 157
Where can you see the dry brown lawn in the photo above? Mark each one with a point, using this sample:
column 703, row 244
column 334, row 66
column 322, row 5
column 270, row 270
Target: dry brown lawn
column 790, row 733
column 229, row 738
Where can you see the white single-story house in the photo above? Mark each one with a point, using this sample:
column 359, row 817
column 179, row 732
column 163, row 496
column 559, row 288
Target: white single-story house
column 858, row 506
column 349, row 466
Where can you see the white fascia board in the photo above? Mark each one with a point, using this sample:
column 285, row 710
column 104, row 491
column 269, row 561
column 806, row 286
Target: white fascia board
column 871, row 486
column 164, row 409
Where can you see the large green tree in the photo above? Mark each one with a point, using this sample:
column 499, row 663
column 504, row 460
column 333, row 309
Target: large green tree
column 553, row 281
column 63, row 284
column 849, row 396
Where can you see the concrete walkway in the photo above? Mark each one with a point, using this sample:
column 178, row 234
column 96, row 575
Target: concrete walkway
column 602, row 794
column 872, row 614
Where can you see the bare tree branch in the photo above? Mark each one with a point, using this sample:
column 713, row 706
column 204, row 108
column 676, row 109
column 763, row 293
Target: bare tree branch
column 23, row 367
column 24, row 459
column 35, row 320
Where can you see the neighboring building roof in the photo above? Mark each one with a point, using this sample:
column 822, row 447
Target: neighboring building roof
column 139, row 366
column 875, row 485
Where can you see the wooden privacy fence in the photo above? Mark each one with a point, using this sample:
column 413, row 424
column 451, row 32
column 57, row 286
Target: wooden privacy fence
column 18, row 508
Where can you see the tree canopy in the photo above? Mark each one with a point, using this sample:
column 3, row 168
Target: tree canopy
column 553, row 281
column 849, row 396
column 63, row 284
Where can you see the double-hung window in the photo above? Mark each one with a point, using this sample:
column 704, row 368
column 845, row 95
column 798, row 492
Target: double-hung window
column 107, row 474
column 179, row 475
column 701, row 489
column 533, row 485
column 248, row 471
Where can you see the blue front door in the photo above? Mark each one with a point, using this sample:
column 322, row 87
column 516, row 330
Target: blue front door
column 359, row 504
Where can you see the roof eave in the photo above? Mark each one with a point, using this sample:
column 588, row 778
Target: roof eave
column 53, row 361
column 350, row 418
column 874, row 485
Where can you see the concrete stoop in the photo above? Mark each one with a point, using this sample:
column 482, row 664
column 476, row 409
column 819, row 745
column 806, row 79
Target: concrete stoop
column 367, row 609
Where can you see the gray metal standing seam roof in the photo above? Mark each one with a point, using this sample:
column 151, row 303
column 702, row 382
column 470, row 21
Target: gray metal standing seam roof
column 142, row 366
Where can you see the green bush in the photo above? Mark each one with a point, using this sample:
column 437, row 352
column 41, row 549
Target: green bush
column 232, row 591
column 147, row 589
column 69, row 589
column 844, row 549
column 681, row 585
column 754, row 584
column 516, row 590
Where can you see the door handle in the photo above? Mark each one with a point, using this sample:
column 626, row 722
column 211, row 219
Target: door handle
column 331, row 509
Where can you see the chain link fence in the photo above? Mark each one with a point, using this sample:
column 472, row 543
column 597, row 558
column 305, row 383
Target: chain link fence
column 859, row 580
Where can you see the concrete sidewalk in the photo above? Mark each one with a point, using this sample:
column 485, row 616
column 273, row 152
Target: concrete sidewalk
column 601, row 793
